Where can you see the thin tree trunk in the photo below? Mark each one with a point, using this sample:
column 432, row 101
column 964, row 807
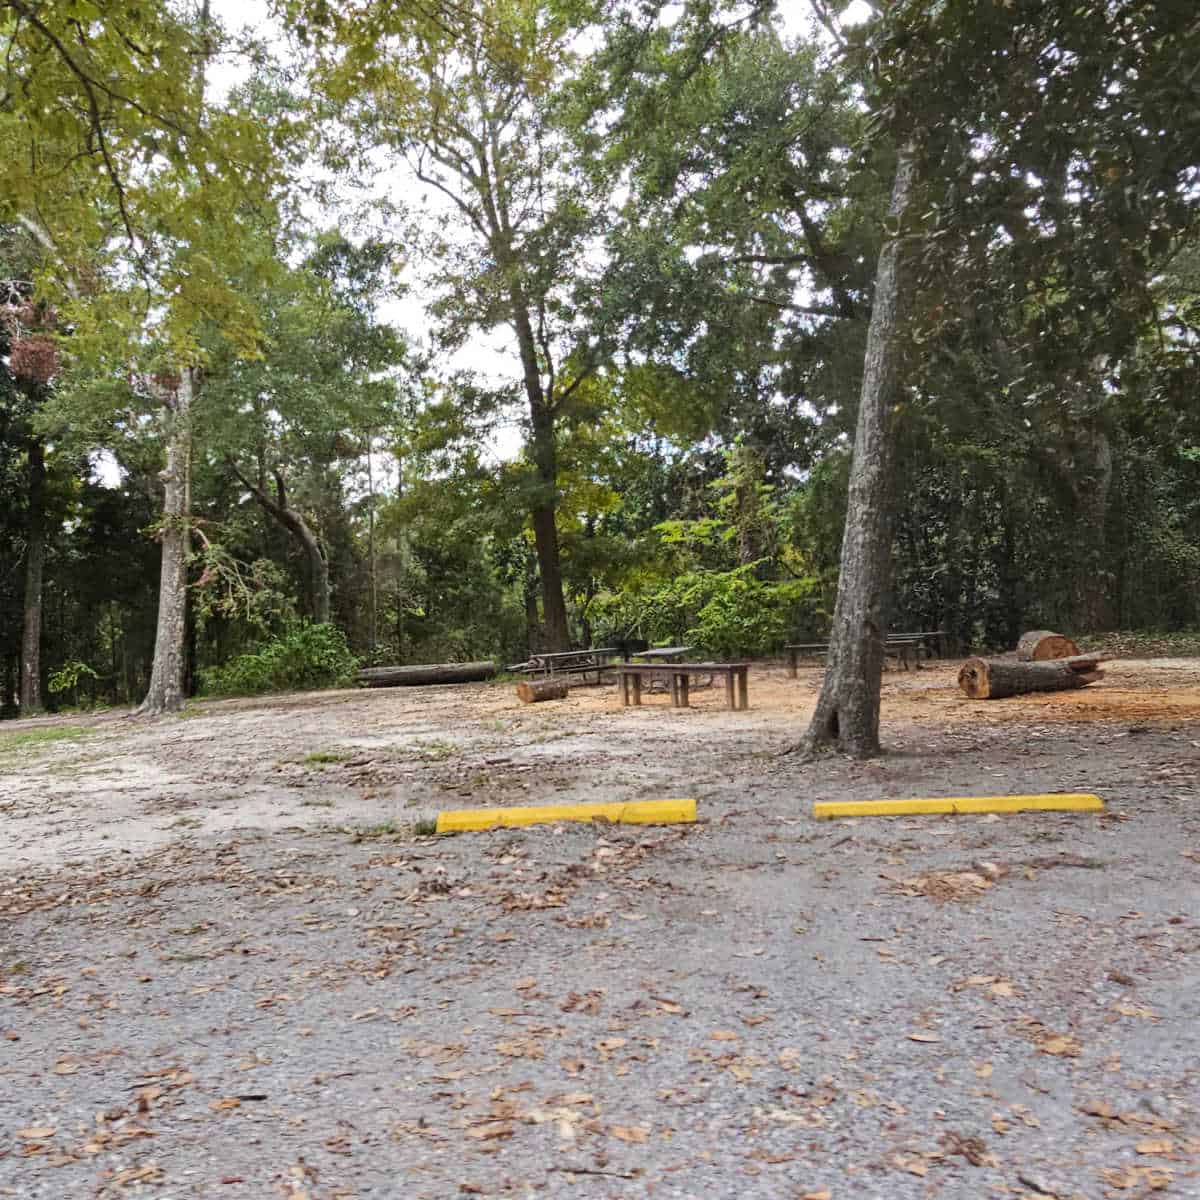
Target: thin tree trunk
column 35, row 563
column 543, row 512
column 316, row 573
column 847, row 712
column 166, row 692
column 374, row 592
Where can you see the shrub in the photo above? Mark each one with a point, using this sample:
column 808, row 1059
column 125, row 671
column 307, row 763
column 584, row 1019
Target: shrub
column 304, row 657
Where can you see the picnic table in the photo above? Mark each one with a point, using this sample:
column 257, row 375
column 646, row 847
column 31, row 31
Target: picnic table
column 665, row 653
column 678, row 676
column 571, row 662
column 907, row 647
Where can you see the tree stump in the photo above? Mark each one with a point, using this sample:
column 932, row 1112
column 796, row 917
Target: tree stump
column 1038, row 645
column 533, row 691
column 995, row 678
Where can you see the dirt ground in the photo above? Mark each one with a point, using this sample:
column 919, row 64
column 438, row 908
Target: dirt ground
column 229, row 968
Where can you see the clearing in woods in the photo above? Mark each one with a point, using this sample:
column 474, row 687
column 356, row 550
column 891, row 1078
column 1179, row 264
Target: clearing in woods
column 228, row 968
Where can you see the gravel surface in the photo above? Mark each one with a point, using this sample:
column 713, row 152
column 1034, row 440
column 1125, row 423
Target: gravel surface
column 280, row 999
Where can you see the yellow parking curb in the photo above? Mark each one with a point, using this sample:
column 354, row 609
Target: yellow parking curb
column 1053, row 802
column 633, row 812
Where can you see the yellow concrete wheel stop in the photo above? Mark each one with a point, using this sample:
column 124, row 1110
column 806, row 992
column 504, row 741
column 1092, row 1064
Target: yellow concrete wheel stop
column 1051, row 802
column 632, row 812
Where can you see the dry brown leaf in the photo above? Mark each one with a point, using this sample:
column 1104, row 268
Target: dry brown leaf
column 608, row 1044
column 224, row 1105
column 984, row 1070
column 1155, row 1146
column 910, row 1163
column 491, row 1129
column 63, row 1067
column 724, row 1035
column 823, row 1194
column 36, row 1132
column 924, row 1037
column 1064, row 1045
column 523, row 985
column 630, row 1133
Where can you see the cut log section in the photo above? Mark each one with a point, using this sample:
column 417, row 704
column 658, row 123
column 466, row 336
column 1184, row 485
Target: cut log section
column 1038, row 645
column 533, row 691
column 995, row 678
column 427, row 673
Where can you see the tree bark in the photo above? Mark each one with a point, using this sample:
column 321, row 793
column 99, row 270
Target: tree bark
column 166, row 692
column 533, row 691
column 1038, row 645
column 847, row 712
column 995, row 678
column 543, row 513
column 427, row 674
column 316, row 573
column 35, row 563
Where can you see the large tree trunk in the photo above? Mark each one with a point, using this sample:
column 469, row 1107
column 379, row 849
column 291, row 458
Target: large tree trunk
column 35, row 562
column 847, row 713
column 316, row 573
column 544, row 452
column 166, row 693
column 420, row 676
column 995, row 678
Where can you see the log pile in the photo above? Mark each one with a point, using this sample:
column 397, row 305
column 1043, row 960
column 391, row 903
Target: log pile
column 426, row 673
column 995, row 678
column 1038, row 645
column 533, row 691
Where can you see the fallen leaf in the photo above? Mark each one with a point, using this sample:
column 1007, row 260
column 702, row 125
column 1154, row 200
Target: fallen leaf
column 607, row 1044
column 724, row 1035
column 229, row 1102
column 984, row 1070
column 492, row 1129
column 65, row 1068
column 36, row 1132
column 1155, row 1146
column 523, row 985
column 823, row 1194
column 924, row 1037
column 630, row 1133
column 910, row 1163
column 1062, row 1044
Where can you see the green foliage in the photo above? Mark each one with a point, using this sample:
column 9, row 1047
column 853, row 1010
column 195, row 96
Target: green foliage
column 68, row 677
column 305, row 657
column 725, row 613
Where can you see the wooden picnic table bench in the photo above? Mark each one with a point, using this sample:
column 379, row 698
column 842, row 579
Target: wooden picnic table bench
column 665, row 653
column 678, row 675
column 907, row 647
column 571, row 662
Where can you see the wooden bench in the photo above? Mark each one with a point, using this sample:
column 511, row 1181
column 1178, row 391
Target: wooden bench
column 664, row 653
column 570, row 662
column 678, row 675
column 907, row 648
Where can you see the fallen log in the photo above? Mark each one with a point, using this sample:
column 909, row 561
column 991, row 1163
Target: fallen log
column 1038, row 645
column 426, row 673
column 995, row 678
column 533, row 691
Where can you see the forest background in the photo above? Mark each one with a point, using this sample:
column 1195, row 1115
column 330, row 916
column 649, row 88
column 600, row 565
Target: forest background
column 668, row 218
